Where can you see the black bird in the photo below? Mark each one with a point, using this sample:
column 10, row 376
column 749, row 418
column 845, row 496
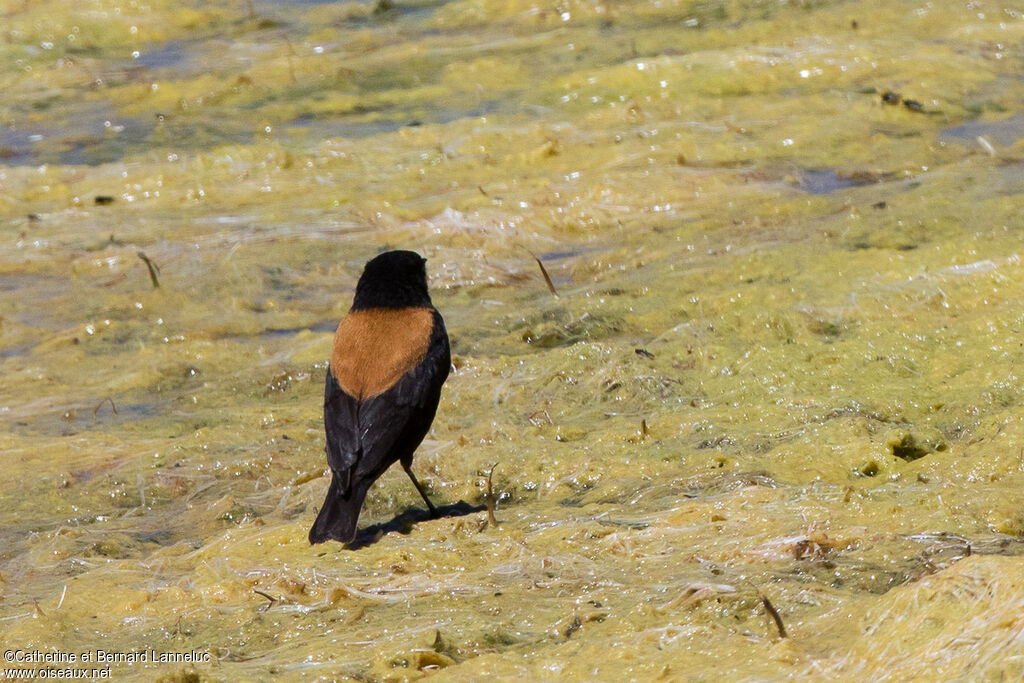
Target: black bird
column 390, row 358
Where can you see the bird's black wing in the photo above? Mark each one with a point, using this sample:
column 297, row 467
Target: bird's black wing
column 341, row 424
column 393, row 424
column 364, row 438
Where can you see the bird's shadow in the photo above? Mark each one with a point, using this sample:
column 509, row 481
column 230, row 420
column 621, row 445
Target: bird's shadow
column 404, row 522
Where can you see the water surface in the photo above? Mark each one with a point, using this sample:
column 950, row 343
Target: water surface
column 782, row 362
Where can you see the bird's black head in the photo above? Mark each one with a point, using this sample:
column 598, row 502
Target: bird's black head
column 394, row 279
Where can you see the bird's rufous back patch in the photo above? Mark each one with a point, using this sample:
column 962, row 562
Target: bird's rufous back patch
column 374, row 347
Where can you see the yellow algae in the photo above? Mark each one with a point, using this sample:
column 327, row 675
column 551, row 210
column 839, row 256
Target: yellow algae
column 913, row 619
column 782, row 363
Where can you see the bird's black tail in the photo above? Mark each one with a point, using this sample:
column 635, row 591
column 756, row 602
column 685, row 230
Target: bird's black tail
column 339, row 514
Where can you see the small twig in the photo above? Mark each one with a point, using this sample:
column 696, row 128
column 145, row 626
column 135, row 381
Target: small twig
column 154, row 269
column 490, row 497
column 96, row 410
column 271, row 598
column 544, row 272
column 774, row 614
column 986, row 145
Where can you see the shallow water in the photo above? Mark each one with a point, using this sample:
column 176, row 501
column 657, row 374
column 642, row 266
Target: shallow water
column 782, row 362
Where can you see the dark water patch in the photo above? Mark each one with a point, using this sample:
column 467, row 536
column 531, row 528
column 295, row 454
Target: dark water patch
column 413, row 11
column 355, row 130
column 179, row 59
column 15, row 350
column 834, row 569
column 16, row 145
column 828, row 181
column 624, row 523
column 560, row 329
column 109, row 143
column 92, row 134
column 68, row 127
column 564, row 254
column 102, row 416
column 168, row 55
column 142, row 136
column 365, row 124
column 1003, row 133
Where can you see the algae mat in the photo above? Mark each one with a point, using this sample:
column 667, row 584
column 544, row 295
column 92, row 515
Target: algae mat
column 776, row 392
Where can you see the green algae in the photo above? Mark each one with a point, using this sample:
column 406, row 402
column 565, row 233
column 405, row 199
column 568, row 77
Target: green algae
column 825, row 287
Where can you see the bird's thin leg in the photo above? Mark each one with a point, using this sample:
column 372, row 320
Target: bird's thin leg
column 433, row 510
